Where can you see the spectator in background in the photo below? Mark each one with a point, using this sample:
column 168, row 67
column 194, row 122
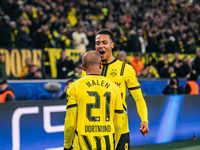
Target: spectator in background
column 186, row 66
column 143, row 42
column 134, row 44
column 176, row 58
column 23, row 40
column 26, row 68
column 32, row 70
column 152, row 68
column 39, row 74
column 14, row 30
column 62, row 94
column 122, row 56
column 80, row 40
column 137, row 64
column 79, row 61
column 145, row 73
column 34, row 73
column 41, row 38
column 64, row 65
column 60, row 39
column 76, row 73
column 122, row 42
column 163, row 62
column 3, row 74
column 178, row 65
column 191, row 86
column 6, row 92
column 91, row 39
column 173, row 87
column 167, row 71
column 5, row 32
column 196, row 63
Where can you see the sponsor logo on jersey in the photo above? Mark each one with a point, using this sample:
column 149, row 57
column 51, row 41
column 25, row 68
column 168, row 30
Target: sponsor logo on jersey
column 97, row 128
column 113, row 73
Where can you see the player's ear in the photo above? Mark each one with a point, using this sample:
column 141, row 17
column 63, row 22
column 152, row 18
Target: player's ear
column 83, row 67
column 112, row 45
column 100, row 65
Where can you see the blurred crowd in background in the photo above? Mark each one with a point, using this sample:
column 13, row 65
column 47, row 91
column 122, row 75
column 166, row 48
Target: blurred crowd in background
column 139, row 25
column 161, row 26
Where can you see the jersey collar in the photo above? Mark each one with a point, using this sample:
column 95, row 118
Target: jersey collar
column 110, row 62
column 94, row 74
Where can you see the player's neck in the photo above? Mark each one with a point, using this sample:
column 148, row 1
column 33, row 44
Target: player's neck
column 110, row 59
column 93, row 71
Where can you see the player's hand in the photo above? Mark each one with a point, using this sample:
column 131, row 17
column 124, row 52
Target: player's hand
column 144, row 129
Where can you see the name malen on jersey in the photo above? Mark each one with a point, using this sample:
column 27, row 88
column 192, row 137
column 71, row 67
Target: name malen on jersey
column 97, row 128
column 102, row 83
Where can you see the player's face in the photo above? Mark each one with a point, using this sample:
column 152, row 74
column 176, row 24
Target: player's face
column 104, row 46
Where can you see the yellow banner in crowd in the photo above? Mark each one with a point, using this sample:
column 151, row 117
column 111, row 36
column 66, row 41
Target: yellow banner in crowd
column 15, row 59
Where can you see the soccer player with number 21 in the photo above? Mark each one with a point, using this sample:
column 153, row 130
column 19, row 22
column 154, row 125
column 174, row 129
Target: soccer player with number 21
column 94, row 115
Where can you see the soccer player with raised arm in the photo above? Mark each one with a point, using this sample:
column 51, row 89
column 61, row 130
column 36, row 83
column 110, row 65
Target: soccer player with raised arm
column 123, row 75
column 94, row 115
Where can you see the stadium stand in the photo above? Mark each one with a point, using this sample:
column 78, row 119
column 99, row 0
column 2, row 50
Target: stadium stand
column 139, row 26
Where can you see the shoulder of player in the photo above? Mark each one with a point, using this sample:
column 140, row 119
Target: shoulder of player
column 119, row 62
column 128, row 67
column 76, row 83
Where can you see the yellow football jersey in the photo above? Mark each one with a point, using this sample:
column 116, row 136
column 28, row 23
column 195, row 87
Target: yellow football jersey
column 94, row 113
column 124, row 76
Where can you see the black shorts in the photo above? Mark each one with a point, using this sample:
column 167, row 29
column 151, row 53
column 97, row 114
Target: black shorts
column 124, row 142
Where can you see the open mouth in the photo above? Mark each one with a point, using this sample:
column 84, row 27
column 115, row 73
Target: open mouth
column 101, row 52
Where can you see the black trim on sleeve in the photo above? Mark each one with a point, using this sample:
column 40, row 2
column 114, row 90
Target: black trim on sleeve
column 76, row 132
column 134, row 88
column 122, row 69
column 70, row 106
column 124, row 107
column 119, row 111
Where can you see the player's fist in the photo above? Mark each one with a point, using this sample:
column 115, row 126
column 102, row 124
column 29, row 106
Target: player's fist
column 144, row 129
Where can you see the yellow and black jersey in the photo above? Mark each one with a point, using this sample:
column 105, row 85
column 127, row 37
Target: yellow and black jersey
column 94, row 113
column 124, row 76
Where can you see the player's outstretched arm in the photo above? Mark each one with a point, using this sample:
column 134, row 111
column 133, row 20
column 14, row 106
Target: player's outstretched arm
column 136, row 92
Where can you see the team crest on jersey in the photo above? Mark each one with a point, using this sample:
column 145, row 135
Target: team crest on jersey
column 113, row 72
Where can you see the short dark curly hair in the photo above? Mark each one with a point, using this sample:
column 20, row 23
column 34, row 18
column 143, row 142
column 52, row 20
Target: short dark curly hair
column 108, row 32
